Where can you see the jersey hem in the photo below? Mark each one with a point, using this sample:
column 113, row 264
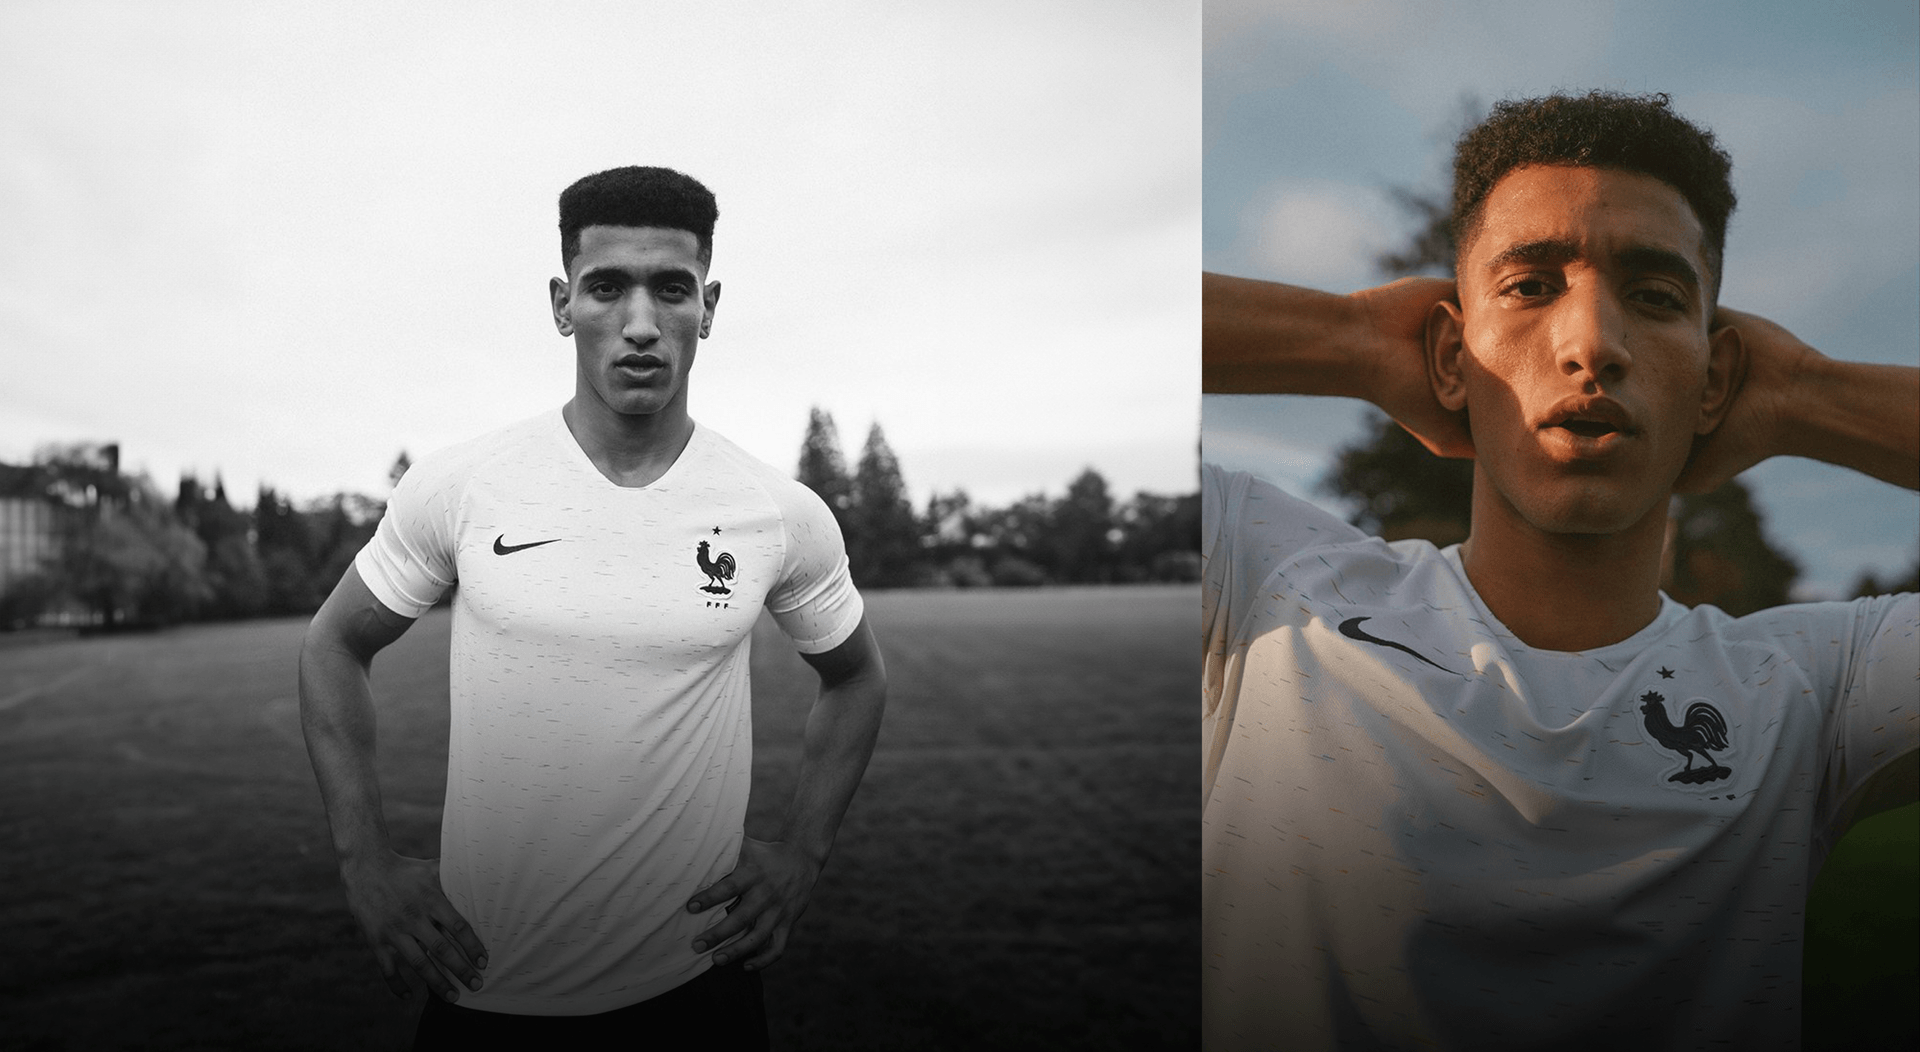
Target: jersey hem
column 584, row 1005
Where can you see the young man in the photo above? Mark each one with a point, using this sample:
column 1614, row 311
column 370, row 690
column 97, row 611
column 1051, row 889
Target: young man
column 610, row 559
column 1508, row 795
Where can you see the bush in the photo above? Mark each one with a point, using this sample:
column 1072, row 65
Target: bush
column 969, row 571
column 25, row 600
column 1176, row 566
column 1011, row 571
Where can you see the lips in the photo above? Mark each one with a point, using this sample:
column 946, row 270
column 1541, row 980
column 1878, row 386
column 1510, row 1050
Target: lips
column 640, row 366
column 1588, row 427
column 1590, row 416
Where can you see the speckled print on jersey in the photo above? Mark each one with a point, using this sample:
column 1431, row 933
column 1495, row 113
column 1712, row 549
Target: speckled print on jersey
column 1420, row 832
column 600, row 749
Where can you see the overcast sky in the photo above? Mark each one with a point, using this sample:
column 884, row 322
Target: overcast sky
column 1314, row 109
column 285, row 241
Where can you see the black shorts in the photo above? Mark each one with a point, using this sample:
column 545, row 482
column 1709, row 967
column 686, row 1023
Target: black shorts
column 721, row 1010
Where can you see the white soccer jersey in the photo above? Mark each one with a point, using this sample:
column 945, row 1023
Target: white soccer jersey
column 1422, row 833
column 601, row 749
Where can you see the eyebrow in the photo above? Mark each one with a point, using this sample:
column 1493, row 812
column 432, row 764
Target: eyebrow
column 679, row 274
column 1558, row 251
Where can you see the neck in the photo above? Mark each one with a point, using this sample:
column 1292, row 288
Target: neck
column 630, row 449
column 1564, row 591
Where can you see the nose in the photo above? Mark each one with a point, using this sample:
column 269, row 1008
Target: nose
column 1590, row 335
column 643, row 324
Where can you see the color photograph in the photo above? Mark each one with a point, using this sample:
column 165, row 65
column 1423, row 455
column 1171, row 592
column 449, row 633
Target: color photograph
column 1532, row 522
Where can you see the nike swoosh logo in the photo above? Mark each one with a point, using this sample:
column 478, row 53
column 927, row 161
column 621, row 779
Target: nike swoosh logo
column 500, row 548
column 1351, row 629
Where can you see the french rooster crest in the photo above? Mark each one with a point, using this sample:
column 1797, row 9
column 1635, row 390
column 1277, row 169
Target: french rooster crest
column 1704, row 731
column 718, row 571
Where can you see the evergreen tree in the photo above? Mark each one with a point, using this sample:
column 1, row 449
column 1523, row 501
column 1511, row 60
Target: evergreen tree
column 822, row 467
column 1160, row 538
column 399, row 469
column 883, row 542
column 1400, row 488
column 1718, row 554
column 1077, row 540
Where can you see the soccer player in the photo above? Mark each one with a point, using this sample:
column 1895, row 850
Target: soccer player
column 607, row 560
column 1507, row 795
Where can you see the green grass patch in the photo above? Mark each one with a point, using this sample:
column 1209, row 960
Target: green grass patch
column 1863, row 939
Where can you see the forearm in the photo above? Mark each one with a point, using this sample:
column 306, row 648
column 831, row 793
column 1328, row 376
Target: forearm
column 1260, row 337
column 337, row 719
column 839, row 738
column 1856, row 415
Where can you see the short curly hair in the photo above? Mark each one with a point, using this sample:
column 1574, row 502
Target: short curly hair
column 1601, row 129
column 637, row 196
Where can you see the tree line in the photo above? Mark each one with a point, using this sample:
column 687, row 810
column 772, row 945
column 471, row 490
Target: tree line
column 1085, row 536
column 127, row 554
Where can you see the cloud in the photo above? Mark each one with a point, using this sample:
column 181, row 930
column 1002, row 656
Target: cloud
column 1319, row 233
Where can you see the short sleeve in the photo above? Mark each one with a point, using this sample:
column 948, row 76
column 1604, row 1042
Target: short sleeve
column 1875, row 719
column 1248, row 528
column 814, row 602
column 409, row 563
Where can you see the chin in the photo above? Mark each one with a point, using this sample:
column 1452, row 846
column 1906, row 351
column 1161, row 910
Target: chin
column 1590, row 509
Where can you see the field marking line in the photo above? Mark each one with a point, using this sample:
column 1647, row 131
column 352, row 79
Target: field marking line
column 32, row 692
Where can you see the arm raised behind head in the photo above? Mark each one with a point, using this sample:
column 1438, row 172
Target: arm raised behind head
column 1262, row 337
column 1794, row 401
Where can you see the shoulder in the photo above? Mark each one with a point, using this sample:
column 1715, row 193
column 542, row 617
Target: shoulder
column 1814, row 625
column 792, row 498
column 453, row 466
column 1253, row 518
column 1868, row 646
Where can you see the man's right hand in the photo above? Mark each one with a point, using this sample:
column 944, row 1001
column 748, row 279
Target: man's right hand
column 1263, row 337
column 1397, row 316
column 411, row 926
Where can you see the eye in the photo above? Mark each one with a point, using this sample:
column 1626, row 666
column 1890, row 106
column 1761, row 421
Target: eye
column 603, row 289
column 1658, row 297
column 674, row 290
column 1527, row 288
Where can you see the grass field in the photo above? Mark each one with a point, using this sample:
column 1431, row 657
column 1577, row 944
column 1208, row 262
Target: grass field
column 1018, row 870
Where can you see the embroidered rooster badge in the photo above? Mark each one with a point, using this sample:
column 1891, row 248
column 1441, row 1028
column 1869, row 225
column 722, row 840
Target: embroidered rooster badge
column 718, row 571
column 1704, row 731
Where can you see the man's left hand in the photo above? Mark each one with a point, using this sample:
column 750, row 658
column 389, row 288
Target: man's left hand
column 772, row 883
column 1766, row 361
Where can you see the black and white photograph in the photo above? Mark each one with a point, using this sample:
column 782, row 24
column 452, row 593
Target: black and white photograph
column 567, row 523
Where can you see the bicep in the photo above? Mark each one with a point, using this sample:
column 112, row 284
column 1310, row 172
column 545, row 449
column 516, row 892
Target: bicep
column 857, row 657
column 353, row 619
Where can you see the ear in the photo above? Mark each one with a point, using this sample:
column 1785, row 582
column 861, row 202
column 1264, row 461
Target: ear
column 1445, row 344
column 1726, row 372
column 562, row 296
column 710, row 300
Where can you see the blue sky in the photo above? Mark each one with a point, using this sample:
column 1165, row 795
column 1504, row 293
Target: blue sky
column 1312, row 110
column 285, row 241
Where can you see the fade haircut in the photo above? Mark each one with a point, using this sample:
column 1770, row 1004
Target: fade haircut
column 1602, row 129
column 636, row 196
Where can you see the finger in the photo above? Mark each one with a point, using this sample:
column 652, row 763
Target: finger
column 749, row 943
column 726, row 889
column 776, row 946
column 450, row 921
column 718, row 935
column 390, row 972
column 452, row 958
column 421, row 963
